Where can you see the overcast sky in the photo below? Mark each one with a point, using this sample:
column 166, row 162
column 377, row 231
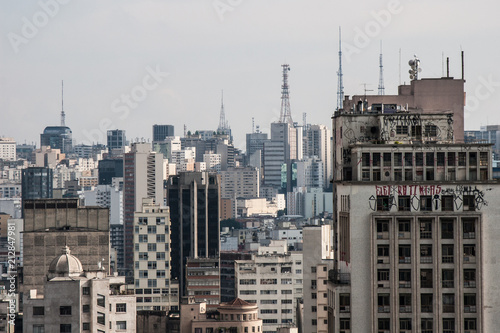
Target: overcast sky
column 131, row 64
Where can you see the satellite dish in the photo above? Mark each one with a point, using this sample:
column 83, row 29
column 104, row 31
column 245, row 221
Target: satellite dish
column 410, row 71
column 411, row 62
column 411, row 77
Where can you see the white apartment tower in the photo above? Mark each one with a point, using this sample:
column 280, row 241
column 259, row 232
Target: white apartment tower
column 153, row 288
column 7, row 149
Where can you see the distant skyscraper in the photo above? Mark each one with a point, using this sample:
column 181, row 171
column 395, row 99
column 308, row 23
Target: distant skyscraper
column 37, row 183
column 318, row 140
column 57, row 137
column 108, row 169
column 7, row 149
column 160, row 132
column 193, row 198
column 116, row 139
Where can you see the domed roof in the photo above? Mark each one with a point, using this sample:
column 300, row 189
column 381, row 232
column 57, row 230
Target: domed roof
column 65, row 265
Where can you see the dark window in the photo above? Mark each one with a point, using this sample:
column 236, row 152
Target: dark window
column 451, row 159
column 472, row 159
column 383, row 203
column 404, row 278
column 429, row 174
column 384, row 305
column 426, row 325
column 430, row 130
column 121, row 307
column 426, row 203
column 404, row 228
column 469, row 253
column 470, row 324
column 416, row 131
column 448, row 325
column 345, row 303
column 383, row 250
column 401, row 129
column 86, row 291
column 429, row 159
column 446, row 228
column 408, row 159
column 384, row 324
column 425, row 253
column 469, row 203
column 447, row 254
column 398, row 159
column 405, row 324
column 404, row 203
column 383, row 275
column 65, row 328
column 376, row 175
column 426, row 278
column 426, row 302
column 86, row 326
column 65, row 310
column 405, row 303
column 101, row 318
column 345, row 324
column 469, row 278
column 470, row 303
column 408, row 174
column 447, row 203
column 462, row 159
column 448, row 278
column 85, row 308
column 448, row 303
column 365, row 159
column 376, row 159
column 440, row 159
column 38, row 311
column 425, row 228
column 404, row 254
column 387, row 159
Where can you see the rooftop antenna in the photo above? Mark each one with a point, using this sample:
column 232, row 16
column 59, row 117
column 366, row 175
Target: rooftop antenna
column 415, row 67
column 185, row 130
column 381, row 89
column 365, row 90
column 304, row 119
column 340, row 85
column 285, row 114
column 400, row 66
column 253, row 125
column 63, row 115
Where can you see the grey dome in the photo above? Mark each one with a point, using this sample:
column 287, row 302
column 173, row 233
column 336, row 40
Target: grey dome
column 65, row 265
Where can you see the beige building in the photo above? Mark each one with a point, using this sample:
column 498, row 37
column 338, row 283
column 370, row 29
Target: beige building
column 415, row 222
column 234, row 316
column 153, row 288
column 79, row 301
column 272, row 280
column 50, row 224
column 7, row 149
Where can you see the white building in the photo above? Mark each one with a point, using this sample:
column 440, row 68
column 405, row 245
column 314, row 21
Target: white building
column 109, row 196
column 212, row 162
column 273, row 281
column 7, row 149
column 153, row 287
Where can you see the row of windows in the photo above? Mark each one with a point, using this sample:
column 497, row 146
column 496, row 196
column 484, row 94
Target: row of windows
column 448, row 226
column 426, row 324
column 432, row 159
column 447, row 253
column 426, row 303
column 426, row 278
column 426, row 203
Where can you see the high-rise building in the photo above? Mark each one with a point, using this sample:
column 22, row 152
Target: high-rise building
column 50, row 224
column 7, row 149
column 272, row 279
column 116, row 139
column 240, row 182
column 160, row 132
column 486, row 134
column 415, row 221
column 255, row 141
column 143, row 178
column 193, row 198
column 109, row 169
column 152, row 259
column 318, row 143
column 203, row 281
column 37, row 183
column 57, row 137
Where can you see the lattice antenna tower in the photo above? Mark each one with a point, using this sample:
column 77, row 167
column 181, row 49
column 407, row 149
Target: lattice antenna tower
column 340, row 85
column 285, row 113
column 381, row 89
column 63, row 115
column 223, row 125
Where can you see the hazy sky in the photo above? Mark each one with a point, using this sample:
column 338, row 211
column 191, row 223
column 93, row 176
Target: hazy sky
column 131, row 64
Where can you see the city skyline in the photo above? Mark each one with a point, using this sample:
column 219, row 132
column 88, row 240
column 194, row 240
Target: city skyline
column 176, row 57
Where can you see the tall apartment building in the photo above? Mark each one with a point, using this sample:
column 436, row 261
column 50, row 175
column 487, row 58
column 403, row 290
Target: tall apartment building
column 193, row 198
column 272, row 280
column 318, row 261
column 144, row 173
column 7, row 149
column 203, row 281
column 50, row 224
column 415, row 222
column 152, row 260
column 160, row 132
column 116, row 139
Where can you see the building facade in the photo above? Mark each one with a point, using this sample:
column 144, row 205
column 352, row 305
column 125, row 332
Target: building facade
column 160, row 132
column 7, row 149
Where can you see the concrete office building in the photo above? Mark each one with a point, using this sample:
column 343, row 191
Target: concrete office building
column 144, row 173
column 79, row 301
column 272, row 280
column 152, row 260
column 415, row 220
column 37, row 183
column 240, row 182
column 203, row 281
column 50, row 224
column 193, row 198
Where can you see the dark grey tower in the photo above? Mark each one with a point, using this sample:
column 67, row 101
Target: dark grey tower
column 160, row 132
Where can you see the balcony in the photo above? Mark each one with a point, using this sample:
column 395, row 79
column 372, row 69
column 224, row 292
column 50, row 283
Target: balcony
column 384, row 309
column 404, row 284
column 405, row 260
column 469, row 308
column 336, row 277
column 344, row 308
